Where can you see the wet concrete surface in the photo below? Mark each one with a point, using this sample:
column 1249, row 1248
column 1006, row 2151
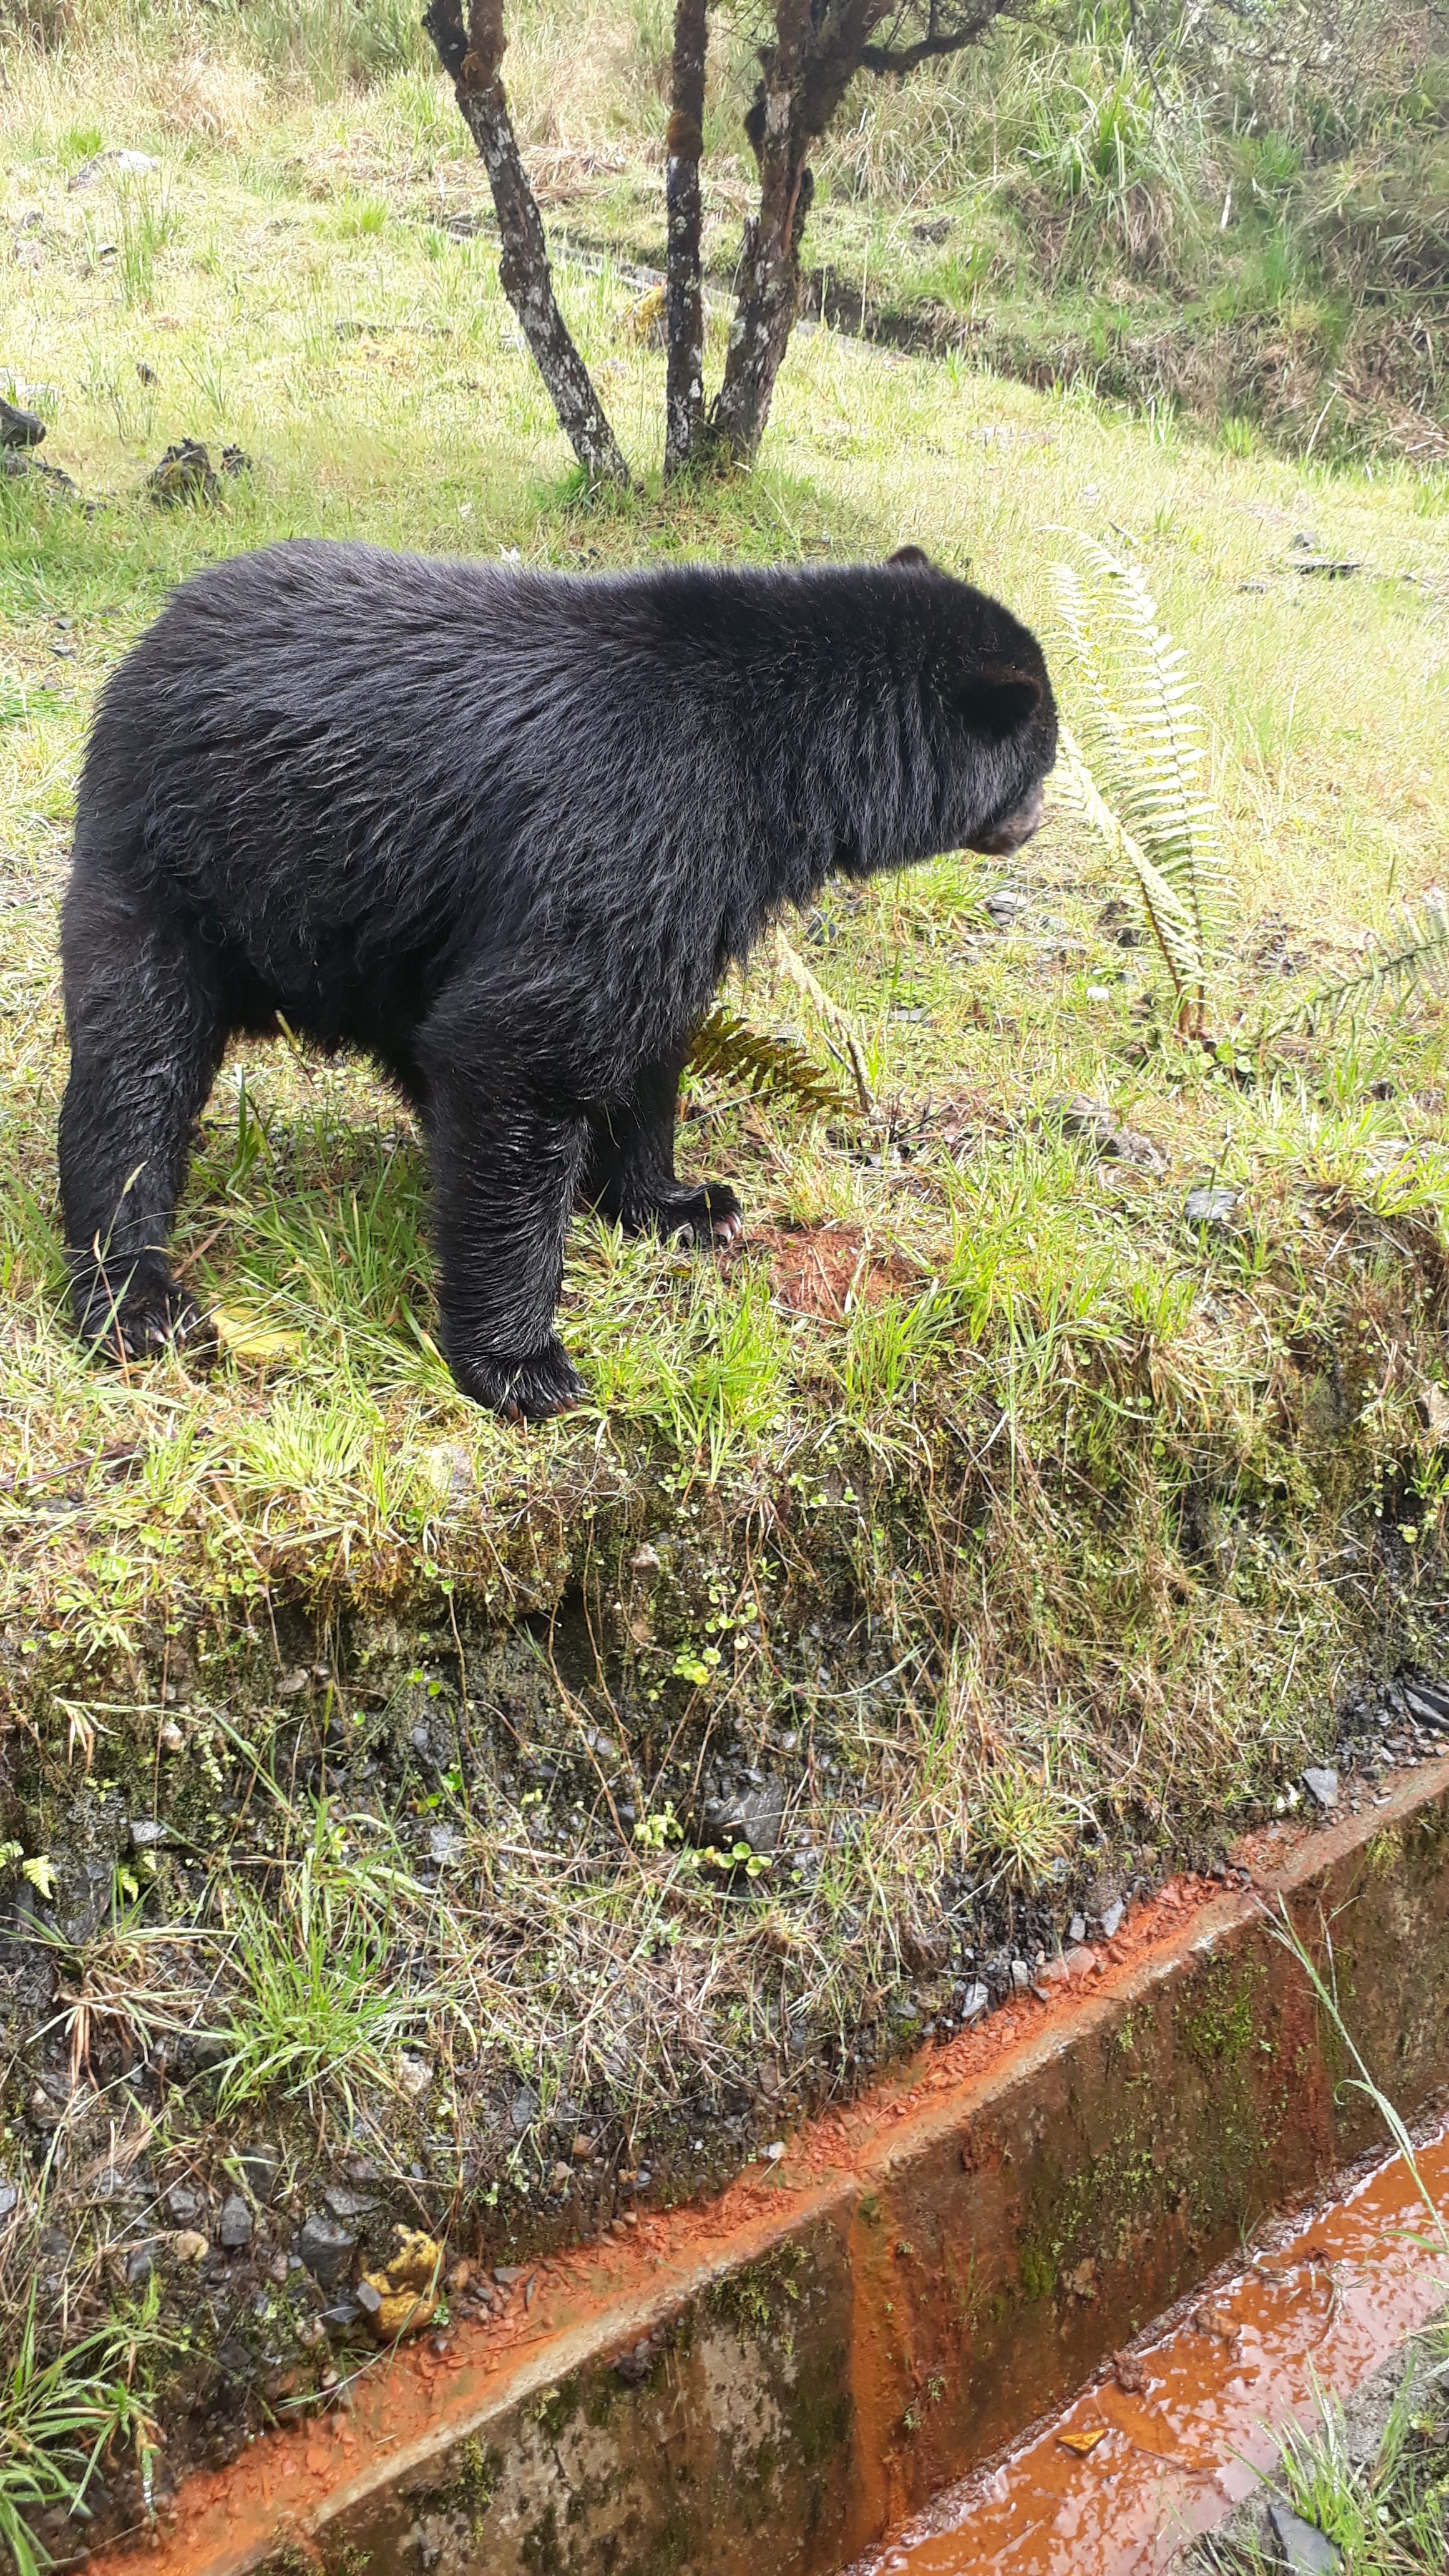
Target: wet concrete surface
column 765, row 2384
column 1168, row 2441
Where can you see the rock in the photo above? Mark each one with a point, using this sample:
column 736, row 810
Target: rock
column 9, row 2197
column 1212, row 1209
column 414, row 2073
column 188, row 2245
column 1113, row 1918
column 343, row 2204
column 19, row 428
column 1305, row 2550
column 1055, row 1972
column 147, row 1833
column 139, row 2266
column 261, row 2165
column 326, row 2249
column 509, row 2274
column 756, row 1818
column 1020, row 1975
column 185, row 473
column 369, row 2298
column 127, row 164
column 1322, row 1785
column 444, row 1842
column 234, row 2227
column 774, row 2151
column 1079, row 1961
column 645, row 1560
column 1127, row 1145
column 974, row 2002
column 523, row 2110
column 342, row 2316
column 1077, row 1928
column 1007, row 905
column 183, row 2204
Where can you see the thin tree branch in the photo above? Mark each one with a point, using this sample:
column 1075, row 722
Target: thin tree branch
column 472, row 57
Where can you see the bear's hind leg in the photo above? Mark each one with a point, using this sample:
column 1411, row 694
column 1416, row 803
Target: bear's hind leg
column 505, row 1173
column 144, row 1023
column 630, row 1175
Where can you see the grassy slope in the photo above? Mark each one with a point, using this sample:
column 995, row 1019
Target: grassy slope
column 1040, row 1557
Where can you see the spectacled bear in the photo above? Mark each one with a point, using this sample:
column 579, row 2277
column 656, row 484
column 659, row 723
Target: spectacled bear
column 504, row 830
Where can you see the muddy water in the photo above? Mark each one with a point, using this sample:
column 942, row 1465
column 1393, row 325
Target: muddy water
column 1176, row 2432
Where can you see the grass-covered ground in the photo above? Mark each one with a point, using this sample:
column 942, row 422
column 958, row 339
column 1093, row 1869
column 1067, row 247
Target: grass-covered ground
column 492, row 1824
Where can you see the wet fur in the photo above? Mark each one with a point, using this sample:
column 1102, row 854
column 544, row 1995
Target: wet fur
column 505, row 831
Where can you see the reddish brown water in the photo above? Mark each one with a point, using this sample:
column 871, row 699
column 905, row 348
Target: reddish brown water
column 1325, row 2302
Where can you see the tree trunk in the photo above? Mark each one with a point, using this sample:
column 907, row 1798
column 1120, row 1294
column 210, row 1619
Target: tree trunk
column 471, row 58
column 805, row 74
column 684, row 294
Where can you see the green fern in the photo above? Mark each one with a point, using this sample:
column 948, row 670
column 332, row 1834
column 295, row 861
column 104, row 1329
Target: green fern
column 1423, row 959
column 1139, row 777
column 727, row 1046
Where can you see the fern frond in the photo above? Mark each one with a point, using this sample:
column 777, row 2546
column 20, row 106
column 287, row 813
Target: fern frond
column 726, row 1045
column 836, row 1022
column 1169, row 919
column 1423, row 959
column 1145, row 739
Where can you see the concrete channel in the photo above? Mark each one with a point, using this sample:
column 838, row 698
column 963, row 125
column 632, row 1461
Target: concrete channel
column 767, row 2384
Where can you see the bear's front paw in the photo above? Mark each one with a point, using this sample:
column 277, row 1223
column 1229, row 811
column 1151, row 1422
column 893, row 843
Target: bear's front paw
column 523, row 1390
column 711, row 1215
column 140, row 1317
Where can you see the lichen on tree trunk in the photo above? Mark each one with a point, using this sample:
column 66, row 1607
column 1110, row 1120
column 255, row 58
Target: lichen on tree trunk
column 472, row 58
column 684, row 387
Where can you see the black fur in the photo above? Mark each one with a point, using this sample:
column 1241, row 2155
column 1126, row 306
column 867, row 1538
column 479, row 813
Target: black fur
column 506, row 831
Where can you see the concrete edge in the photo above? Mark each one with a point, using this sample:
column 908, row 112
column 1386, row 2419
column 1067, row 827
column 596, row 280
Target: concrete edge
column 765, row 2384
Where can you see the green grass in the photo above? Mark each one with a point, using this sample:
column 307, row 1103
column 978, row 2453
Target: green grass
column 1019, row 1535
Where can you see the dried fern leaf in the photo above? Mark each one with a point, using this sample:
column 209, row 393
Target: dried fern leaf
column 837, row 1023
column 727, row 1046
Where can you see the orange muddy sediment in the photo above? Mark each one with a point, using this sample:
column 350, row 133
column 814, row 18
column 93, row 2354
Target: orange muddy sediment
column 1322, row 2308
column 602, row 2297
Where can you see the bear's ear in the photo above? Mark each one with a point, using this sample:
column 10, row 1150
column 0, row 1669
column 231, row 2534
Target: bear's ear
column 996, row 700
column 912, row 555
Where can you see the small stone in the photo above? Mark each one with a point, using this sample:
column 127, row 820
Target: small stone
column 583, row 2148
column 1113, row 1918
column 170, row 1737
column 974, row 2002
column 459, row 2278
column 9, row 2196
column 774, row 2151
column 1305, row 2550
column 183, row 2204
column 509, row 2274
column 1020, row 1975
column 343, row 2204
column 188, row 2245
column 1055, row 1972
column 1322, row 1785
column 1077, row 1928
column 414, row 2073
column 147, row 1832
column 326, row 2249
column 139, row 2266
column 293, row 1682
column 1098, row 993
column 1007, row 905
column 1079, row 1961
column 342, row 2316
column 1212, row 1209
column 234, row 2227
column 1129, row 1145
column 369, row 2298
column 523, row 2110
column 645, row 1560
column 260, row 2166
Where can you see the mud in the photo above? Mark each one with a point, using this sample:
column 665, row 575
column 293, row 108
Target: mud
column 1179, row 2429
column 771, row 2382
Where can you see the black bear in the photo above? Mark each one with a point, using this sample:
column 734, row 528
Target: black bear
column 505, row 831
